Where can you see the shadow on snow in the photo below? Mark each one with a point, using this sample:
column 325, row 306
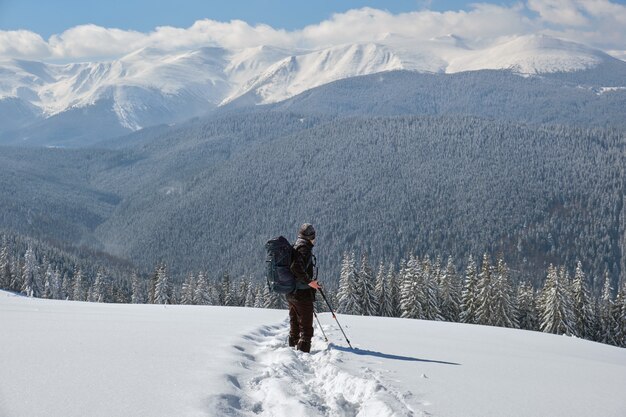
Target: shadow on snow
column 363, row 352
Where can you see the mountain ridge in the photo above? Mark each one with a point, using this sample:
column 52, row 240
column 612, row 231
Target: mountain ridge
column 150, row 86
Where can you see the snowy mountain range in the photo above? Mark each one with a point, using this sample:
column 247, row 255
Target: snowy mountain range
column 150, row 86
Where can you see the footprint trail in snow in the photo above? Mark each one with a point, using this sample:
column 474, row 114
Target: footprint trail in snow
column 275, row 380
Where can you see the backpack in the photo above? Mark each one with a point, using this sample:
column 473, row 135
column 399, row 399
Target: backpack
column 279, row 277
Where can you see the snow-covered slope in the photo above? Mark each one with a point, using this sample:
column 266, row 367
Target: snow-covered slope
column 533, row 54
column 297, row 73
column 143, row 86
column 61, row 358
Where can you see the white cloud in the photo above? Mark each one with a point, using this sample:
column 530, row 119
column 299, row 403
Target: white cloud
column 599, row 23
column 23, row 44
column 561, row 12
column 92, row 40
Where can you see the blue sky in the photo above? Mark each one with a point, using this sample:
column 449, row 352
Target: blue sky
column 47, row 17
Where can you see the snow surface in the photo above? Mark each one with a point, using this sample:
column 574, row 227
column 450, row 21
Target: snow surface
column 157, row 79
column 70, row 359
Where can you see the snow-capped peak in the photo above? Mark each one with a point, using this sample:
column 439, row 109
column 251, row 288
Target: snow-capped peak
column 532, row 54
column 152, row 85
column 297, row 73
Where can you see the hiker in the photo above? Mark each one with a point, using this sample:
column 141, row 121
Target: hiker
column 301, row 300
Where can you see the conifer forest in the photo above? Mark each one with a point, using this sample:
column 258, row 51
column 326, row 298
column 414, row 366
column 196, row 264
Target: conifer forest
column 416, row 288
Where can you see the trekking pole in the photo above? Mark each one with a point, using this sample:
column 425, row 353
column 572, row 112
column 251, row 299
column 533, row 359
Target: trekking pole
column 320, row 324
column 335, row 317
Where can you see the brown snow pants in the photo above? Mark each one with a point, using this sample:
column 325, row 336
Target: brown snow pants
column 300, row 323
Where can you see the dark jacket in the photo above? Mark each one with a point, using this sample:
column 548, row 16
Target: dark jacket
column 303, row 268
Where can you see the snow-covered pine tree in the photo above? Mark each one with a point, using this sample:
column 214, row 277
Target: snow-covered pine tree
column 582, row 308
column 469, row 295
column 202, row 291
column 384, row 292
column 504, row 302
column 620, row 316
column 240, row 291
column 67, row 286
column 152, row 283
column 250, row 295
column 429, row 291
column 449, row 292
column 394, row 291
column 98, row 288
column 606, row 320
column 139, row 295
column 5, row 266
column 16, row 278
column 484, row 296
column 78, row 287
column 48, row 282
column 349, row 297
column 555, row 304
column 162, row 288
column 411, row 290
column 259, row 301
column 188, row 289
column 369, row 303
column 527, row 307
column 30, row 274
column 272, row 299
column 56, row 284
column 225, row 294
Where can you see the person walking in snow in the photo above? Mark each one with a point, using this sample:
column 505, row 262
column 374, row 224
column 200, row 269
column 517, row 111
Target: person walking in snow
column 301, row 300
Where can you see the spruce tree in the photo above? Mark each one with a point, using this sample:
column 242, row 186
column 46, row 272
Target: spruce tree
column 272, row 299
column 188, row 290
column 225, row 294
column 78, row 288
column 606, row 319
column 450, row 293
column 30, row 274
column 98, row 288
column 369, row 302
column 16, row 279
column 485, row 296
column 582, row 309
column 411, row 290
column 504, row 302
column 620, row 316
column 5, row 266
column 555, row 305
column 48, row 282
column 259, row 301
column 202, row 291
column 250, row 295
column 349, row 297
column 469, row 295
column 240, row 292
column 67, row 285
column 139, row 295
column 162, row 288
column 429, row 291
column 527, row 307
column 394, row 292
column 384, row 292
column 152, row 285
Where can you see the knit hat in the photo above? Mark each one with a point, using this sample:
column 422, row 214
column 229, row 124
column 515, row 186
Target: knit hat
column 307, row 231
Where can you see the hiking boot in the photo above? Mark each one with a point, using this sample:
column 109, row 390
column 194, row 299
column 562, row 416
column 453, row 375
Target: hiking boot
column 304, row 346
column 293, row 341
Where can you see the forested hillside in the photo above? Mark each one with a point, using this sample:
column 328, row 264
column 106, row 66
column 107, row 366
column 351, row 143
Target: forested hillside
column 579, row 98
column 207, row 195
